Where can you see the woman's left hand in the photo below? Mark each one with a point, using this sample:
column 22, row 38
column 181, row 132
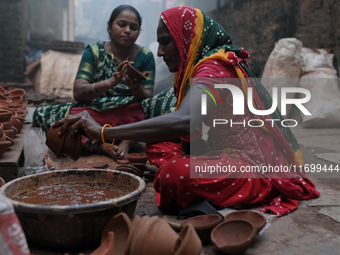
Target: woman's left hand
column 82, row 122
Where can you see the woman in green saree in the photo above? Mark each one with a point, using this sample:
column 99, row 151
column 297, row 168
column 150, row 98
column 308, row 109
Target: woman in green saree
column 103, row 90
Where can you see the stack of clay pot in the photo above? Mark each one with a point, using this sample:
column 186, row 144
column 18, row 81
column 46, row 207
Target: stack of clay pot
column 14, row 100
column 147, row 236
column 5, row 126
column 135, row 164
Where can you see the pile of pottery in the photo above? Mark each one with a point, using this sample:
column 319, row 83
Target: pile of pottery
column 12, row 115
column 146, row 236
column 234, row 235
column 135, row 164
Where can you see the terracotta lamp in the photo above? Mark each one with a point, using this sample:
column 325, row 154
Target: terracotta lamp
column 134, row 73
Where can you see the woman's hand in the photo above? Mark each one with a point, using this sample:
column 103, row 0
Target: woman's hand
column 134, row 85
column 80, row 122
column 118, row 76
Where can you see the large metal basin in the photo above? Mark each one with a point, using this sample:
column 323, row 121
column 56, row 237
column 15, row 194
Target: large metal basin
column 77, row 225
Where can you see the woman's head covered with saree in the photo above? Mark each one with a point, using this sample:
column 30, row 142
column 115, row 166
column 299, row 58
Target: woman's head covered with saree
column 199, row 38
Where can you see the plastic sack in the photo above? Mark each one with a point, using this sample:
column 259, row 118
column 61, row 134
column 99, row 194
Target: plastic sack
column 320, row 78
column 34, row 151
column 283, row 67
column 12, row 237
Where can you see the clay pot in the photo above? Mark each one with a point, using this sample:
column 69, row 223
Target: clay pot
column 1, row 129
column 55, row 142
column 130, row 169
column 203, row 225
column 190, row 242
column 4, row 92
column 161, row 239
column 5, row 103
column 137, row 158
column 134, row 73
column 257, row 219
column 234, row 236
column 17, row 124
column 4, row 145
column 64, row 144
column 21, row 119
column 5, row 115
column 5, row 98
column 3, row 137
column 133, row 228
column 14, row 113
column 122, row 161
column 18, row 92
column 107, row 247
column 72, row 149
column 10, row 133
column 7, row 124
column 17, row 100
column 140, row 166
column 119, row 224
column 140, row 234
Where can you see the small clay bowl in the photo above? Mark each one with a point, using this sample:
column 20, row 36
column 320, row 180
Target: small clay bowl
column 4, row 146
column 140, row 166
column 233, row 237
column 17, row 124
column 120, row 224
column 137, row 244
column 5, row 115
column 107, row 247
column 5, row 103
column 54, row 142
column 3, row 137
column 190, row 242
column 257, row 219
column 7, row 124
column 203, row 225
column 137, row 158
column 129, row 169
column 134, row 73
column 72, row 149
column 1, row 129
column 161, row 239
column 135, row 223
column 9, row 132
column 122, row 161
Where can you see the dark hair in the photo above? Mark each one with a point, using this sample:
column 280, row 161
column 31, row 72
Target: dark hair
column 121, row 8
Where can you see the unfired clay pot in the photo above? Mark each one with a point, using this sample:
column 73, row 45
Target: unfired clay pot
column 122, row 161
column 257, row 219
column 203, row 225
column 129, row 169
column 9, row 132
column 120, row 224
column 233, row 237
column 134, row 73
column 161, row 239
column 107, row 247
column 5, row 115
column 137, row 158
column 64, row 144
column 133, row 228
column 140, row 166
column 190, row 242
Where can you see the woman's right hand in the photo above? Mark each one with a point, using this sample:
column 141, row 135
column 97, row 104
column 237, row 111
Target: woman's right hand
column 119, row 75
column 80, row 122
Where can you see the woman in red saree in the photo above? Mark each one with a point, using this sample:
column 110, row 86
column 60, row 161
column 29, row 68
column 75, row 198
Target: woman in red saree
column 199, row 50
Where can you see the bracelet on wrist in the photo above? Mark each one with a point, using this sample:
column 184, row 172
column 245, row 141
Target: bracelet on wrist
column 103, row 140
column 94, row 90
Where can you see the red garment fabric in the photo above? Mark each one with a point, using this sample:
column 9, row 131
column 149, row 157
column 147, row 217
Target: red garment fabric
column 115, row 117
column 248, row 147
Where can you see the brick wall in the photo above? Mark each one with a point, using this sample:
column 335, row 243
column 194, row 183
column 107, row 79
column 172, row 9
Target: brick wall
column 257, row 24
column 12, row 61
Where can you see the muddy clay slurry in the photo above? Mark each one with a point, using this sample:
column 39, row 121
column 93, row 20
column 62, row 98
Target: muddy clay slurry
column 67, row 195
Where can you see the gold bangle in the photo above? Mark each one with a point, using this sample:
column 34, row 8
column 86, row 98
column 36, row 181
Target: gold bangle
column 108, row 146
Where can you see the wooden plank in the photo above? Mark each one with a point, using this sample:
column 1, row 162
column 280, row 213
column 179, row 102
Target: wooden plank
column 13, row 158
